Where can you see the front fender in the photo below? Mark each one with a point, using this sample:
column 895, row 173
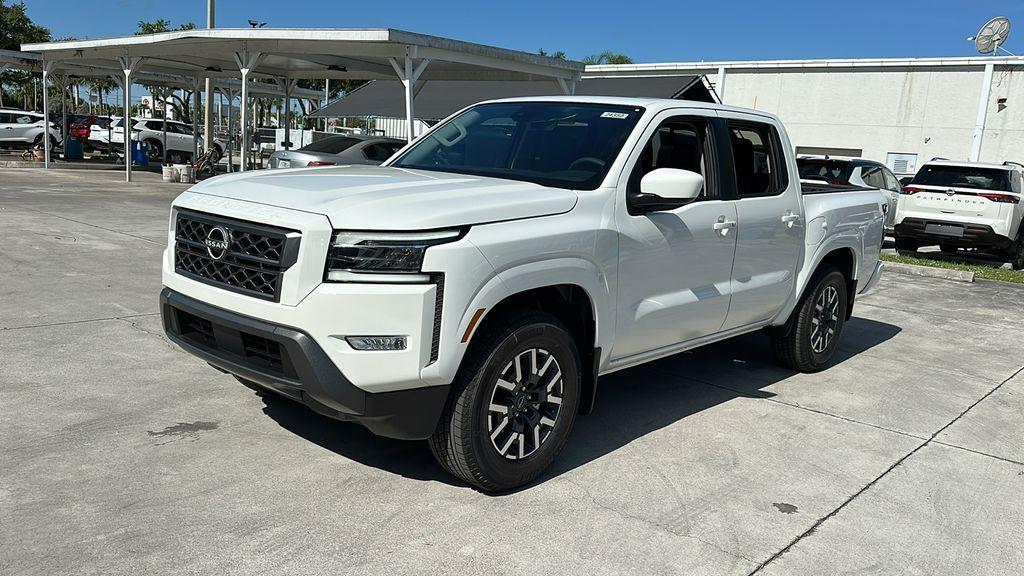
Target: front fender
column 529, row 276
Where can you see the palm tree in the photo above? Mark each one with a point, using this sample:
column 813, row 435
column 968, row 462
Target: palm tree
column 607, row 57
column 101, row 87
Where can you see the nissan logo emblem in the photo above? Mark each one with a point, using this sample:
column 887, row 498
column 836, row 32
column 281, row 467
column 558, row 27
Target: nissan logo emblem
column 216, row 242
column 950, row 192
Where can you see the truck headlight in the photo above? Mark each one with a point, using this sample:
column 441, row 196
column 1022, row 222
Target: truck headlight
column 382, row 256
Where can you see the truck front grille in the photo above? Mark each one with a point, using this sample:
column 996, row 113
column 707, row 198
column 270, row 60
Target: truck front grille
column 234, row 254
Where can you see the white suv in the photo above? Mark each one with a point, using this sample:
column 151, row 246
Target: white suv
column 20, row 129
column 151, row 131
column 963, row 205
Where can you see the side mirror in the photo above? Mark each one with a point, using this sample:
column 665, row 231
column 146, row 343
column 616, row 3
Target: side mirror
column 667, row 188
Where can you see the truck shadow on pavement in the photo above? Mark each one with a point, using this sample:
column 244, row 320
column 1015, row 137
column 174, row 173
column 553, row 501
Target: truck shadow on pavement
column 630, row 404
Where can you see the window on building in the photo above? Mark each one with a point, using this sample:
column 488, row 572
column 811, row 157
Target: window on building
column 902, row 164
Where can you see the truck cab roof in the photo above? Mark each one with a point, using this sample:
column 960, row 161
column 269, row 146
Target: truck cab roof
column 651, row 104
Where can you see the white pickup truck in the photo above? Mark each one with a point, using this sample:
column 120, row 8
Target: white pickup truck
column 471, row 290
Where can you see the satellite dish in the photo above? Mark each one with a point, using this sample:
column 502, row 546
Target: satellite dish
column 992, row 35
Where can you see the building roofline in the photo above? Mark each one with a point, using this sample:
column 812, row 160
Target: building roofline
column 670, row 67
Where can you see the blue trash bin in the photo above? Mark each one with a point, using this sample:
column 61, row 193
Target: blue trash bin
column 74, row 150
column 140, row 153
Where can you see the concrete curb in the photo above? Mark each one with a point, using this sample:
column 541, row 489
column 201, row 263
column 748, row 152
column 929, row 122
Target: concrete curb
column 929, row 272
column 60, row 165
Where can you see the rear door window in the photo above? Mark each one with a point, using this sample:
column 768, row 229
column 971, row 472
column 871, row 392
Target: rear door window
column 873, row 177
column 380, row 151
column 757, row 159
column 891, row 181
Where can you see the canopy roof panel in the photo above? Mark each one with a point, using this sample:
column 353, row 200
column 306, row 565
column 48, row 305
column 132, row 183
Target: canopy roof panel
column 354, row 53
column 440, row 98
column 33, row 62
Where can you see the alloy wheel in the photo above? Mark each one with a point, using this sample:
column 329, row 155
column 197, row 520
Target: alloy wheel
column 525, row 404
column 825, row 319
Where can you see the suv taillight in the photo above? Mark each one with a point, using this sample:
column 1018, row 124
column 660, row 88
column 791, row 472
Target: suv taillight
column 1002, row 198
column 911, row 190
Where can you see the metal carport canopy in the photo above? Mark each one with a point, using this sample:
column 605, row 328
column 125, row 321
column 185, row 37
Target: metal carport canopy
column 287, row 54
column 32, row 62
column 438, row 99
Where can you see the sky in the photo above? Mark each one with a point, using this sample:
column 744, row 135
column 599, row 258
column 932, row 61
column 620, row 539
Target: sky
column 653, row 31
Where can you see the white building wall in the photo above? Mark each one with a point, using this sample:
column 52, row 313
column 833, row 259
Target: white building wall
column 925, row 112
column 397, row 127
column 926, row 107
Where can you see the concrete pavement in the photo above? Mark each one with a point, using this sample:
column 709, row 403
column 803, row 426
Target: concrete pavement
column 120, row 454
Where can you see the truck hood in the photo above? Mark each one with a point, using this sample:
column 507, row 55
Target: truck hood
column 383, row 198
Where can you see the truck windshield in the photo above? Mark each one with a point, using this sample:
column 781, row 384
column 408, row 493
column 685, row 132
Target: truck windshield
column 558, row 144
column 964, row 177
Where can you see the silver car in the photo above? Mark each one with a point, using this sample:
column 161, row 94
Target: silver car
column 341, row 149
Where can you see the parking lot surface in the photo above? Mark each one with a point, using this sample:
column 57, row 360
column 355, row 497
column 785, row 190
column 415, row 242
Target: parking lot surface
column 120, row 454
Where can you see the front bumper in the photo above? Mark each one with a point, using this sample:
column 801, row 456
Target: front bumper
column 290, row 362
column 974, row 235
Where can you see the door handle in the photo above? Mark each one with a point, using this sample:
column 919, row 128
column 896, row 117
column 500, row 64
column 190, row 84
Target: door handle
column 723, row 225
column 789, row 218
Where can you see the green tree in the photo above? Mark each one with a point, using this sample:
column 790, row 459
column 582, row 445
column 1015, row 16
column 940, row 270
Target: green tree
column 101, row 87
column 560, row 54
column 607, row 57
column 16, row 28
column 164, row 93
column 338, row 88
column 161, row 25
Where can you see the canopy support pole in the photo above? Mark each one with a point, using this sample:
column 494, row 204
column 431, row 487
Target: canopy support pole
column 568, row 86
column 409, row 76
column 247, row 61
column 128, row 66
column 195, row 120
column 47, row 68
column 287, row 85
column 231, row 129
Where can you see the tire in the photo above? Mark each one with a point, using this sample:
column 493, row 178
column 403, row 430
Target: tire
column 1017, row 255
column 905, row 247
column 156, row 150
column 39, row 141
column 476, row 438
column 802, row 344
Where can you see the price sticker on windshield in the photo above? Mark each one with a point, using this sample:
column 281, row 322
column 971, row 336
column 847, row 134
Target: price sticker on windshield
column 616, row 115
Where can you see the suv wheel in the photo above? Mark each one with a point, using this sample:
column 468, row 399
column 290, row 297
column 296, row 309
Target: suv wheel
column 38, row 142
column 905, row 247
column 512, row 405
column 811, row 336
column 1017, row 256
column 156, row 150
